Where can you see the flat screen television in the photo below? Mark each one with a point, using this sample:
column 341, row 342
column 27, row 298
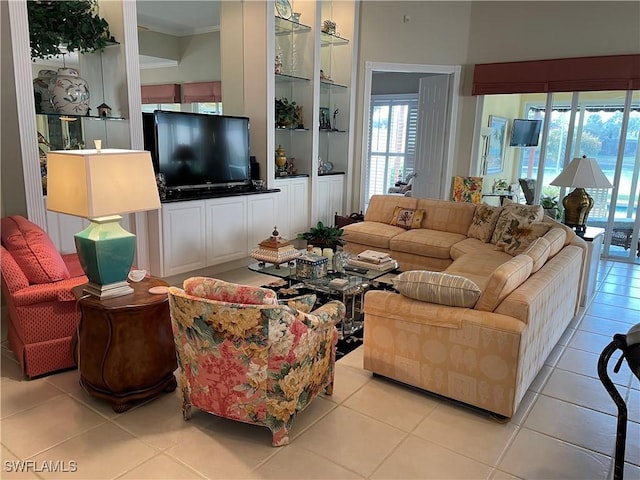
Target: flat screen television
column 525, row 133
column 195, row 150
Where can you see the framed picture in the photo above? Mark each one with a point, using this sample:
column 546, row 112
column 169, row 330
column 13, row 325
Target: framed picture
column 496, row 145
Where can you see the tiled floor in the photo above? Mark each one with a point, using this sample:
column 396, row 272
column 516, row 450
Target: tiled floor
column 369, row 428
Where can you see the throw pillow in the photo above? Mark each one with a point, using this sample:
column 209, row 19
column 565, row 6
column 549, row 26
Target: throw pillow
column 304, row 303
column 33, row 251
column 484, row 222
column 524, row 213
column 438, row 287
column 222, row 291
column 407, row 217
column 517, row 234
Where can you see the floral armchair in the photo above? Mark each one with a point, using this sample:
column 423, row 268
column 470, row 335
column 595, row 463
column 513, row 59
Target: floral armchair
column 245, row 357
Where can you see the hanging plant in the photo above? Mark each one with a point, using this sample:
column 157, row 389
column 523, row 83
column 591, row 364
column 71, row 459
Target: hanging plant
column 70, row 24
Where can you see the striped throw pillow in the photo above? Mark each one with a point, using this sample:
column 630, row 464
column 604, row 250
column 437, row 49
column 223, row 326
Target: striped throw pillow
column 438, row 287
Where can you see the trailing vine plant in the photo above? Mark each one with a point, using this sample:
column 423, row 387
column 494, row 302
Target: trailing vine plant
column 72, row 24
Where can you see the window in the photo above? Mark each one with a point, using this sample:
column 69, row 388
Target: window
column 392, row 141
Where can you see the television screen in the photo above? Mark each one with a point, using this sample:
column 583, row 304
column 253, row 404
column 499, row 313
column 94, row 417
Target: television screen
column 525, row 133
column 197, row 150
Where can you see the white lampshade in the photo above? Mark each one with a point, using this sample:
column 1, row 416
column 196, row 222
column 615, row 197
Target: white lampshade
column 98, row 183
column 582, row 173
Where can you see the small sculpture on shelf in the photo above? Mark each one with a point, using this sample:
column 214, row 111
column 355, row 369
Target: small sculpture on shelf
column 325, row 122
column 278, row 65
column 329, row 27
column 104, row 110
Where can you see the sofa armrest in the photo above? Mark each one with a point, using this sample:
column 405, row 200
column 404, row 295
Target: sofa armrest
column 48, row 292
column 326, row 316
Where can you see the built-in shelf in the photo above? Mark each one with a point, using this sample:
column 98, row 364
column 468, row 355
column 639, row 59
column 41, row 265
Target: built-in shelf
column 285, row 78
column 327, row 39
column 73, row 118
column 285, row 26
column 325, row 85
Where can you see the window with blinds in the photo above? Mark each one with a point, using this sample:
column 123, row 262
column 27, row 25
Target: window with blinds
column 392, row 141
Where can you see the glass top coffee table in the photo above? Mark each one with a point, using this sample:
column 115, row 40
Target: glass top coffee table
column 355, row 283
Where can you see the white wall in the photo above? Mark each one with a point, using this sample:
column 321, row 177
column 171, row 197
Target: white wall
column 198, row 57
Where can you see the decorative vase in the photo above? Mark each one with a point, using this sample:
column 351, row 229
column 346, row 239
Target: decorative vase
column 281, row 159
column 41, row 91
column 69, row 92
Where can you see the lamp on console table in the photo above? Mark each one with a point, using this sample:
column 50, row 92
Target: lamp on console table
column 101, row 185
column 580, row 173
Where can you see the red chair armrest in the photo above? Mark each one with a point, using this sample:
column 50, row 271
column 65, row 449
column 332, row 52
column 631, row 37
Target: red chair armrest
column 48, row 292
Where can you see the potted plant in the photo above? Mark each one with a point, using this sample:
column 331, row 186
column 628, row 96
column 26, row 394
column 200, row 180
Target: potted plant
column 323, row 236
column 71, row 24
column 550, row 206
column 286, row 113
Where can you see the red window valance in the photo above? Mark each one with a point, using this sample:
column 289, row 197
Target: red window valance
column 613, row 72
column 202, row 92
column 166, row 93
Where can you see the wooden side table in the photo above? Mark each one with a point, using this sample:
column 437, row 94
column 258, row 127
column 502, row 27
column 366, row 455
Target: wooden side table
column 124, row 346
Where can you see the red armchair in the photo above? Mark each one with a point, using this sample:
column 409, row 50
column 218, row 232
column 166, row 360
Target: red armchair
column 36, row 285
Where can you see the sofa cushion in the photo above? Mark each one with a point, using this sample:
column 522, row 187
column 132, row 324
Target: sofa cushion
column 479, row 265
column 437, row 287
column 470, row 245
column 407, row 217
column 422, row 241
column 32, row 250
column 504, row 280
column 556, row 237
column 518, row 235
column 373, row 234
column 447, row 216
column 523, row 213
column 484, row 222
column 538, row 250
column 214, row 289
column 381, row 207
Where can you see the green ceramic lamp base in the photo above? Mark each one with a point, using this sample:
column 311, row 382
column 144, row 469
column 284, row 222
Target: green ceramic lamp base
column 106, row 252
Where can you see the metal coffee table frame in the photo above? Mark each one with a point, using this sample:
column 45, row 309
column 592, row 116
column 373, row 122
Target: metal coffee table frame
column 351, row 294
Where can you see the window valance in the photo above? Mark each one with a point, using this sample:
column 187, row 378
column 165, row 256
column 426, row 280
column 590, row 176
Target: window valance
column 202, row 92
column 613, row 72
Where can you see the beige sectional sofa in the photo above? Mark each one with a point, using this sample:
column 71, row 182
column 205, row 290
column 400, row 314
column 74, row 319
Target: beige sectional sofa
column 486, row 346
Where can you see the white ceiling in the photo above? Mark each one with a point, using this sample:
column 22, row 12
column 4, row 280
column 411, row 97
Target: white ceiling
column 179, row 17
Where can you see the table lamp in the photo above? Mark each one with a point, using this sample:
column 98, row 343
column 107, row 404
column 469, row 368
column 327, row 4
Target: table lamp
column 581, row 173
column 101, row 185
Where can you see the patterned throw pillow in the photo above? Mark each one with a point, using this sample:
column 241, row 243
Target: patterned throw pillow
column 438, row 287
column 524, row 214
column 484, row 222
column 518, row 234
column 407, row 217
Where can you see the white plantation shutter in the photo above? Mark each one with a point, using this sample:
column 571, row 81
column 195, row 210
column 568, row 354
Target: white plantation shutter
column 392, row 141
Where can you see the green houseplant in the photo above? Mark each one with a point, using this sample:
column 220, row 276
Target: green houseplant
column 550, row 206
column 286, row 112
column 323, row 236
column 71, row 24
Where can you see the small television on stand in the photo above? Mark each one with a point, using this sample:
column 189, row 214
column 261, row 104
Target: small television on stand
column 198, row 152
column 525, row 133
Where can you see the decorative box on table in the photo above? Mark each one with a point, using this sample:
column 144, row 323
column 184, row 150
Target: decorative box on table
column 275, row 249
column 311, row 266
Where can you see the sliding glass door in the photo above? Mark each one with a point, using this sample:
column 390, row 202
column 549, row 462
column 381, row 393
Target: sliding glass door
column 601, row 125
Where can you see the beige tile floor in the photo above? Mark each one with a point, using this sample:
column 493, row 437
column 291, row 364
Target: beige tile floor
column 369, row 428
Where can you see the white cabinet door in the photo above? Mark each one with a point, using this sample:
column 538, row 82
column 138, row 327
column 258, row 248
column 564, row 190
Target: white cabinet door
column 226, row 229
column 184, row 235
column 285, row 207
column 329, row 197
column 299, row 203
column 263, row 216
column 293, row 206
